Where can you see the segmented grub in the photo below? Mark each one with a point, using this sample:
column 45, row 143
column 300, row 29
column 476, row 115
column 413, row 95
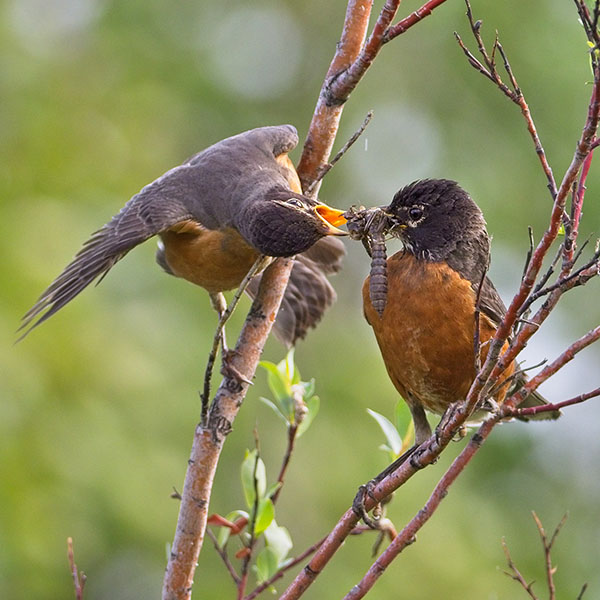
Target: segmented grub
column 378, row 280
column 370, row 226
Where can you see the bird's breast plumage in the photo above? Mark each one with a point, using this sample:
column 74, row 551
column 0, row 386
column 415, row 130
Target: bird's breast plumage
column 426, row 331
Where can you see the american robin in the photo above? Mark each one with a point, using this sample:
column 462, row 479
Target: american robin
column 426, row 330
column 215, row 215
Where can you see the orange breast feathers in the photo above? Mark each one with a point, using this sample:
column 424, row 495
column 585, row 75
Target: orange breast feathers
column 216, row 260
column 426, row 331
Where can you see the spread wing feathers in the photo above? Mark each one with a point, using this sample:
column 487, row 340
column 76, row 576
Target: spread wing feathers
column 145, row 215
column 490, row 302
column 327, row 254
column 492, row 306
column 307, row 296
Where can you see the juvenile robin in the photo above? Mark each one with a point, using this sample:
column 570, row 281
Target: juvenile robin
column 215, row 215
column 426, row 330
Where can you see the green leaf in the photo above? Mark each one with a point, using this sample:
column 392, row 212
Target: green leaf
column 291, row 370
column 266, row 565
column 313, row 408
column 253, row 468
column 278, row 382
column 274, row 408
column 391, row 433
column 402, row 418
column 264, row 515
column 279, row 541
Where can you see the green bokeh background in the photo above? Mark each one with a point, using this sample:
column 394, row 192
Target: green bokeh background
column 99, row 404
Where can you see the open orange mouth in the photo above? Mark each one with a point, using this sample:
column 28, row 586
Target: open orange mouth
column 332, row 217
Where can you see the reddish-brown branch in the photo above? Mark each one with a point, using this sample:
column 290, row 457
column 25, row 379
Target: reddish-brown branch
column 516, row 574
column 486, row 379
column 534, row 410
column 424, row 456
column 547, row 544
column 408, row 534
column 351, row 61
column 568, row 355
column 412, row 19
column 209, row 439
column 79, row 577
column 325, row 122
column 578, row 196
column 493, row 367
column 266, row 584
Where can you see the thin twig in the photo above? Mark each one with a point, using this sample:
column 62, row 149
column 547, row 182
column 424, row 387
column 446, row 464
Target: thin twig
column 547, row 544
column 476, row 332
column 295, row 561
column 565, row 357
column 224, row 557
column 582, row 592
column 529, row 251
column 324, row 169
column 258, row 265
column 291, row 439
column 515, row 94
column 516, row 574
column 79, row 577
column 412, row 19
column 251, row 527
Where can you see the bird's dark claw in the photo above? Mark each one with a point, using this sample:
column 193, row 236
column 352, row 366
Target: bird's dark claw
column 358, row 505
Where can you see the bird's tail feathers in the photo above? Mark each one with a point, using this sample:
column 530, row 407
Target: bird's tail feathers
column 536, row 399
column 139, row 220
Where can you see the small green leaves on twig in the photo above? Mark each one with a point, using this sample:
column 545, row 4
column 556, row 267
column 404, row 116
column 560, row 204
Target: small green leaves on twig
column 293, row 400
column 258, row 498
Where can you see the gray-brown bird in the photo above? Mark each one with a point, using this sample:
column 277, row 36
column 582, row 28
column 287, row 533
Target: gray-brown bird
column 215, row 215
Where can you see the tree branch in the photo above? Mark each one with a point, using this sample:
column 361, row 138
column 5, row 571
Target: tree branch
column 516, row 574
column 351, row 61
column 208, row 440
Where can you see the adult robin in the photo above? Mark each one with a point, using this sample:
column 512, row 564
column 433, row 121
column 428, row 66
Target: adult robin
column 426, row 330
column 216, row 214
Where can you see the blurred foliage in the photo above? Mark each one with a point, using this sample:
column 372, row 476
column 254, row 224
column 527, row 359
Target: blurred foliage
column 99, row 405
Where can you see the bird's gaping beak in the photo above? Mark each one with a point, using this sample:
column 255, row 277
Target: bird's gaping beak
column 331, row 217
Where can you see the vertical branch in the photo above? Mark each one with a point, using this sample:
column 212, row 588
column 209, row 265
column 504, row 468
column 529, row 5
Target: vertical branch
column 209, row 439
column 79, row 577
column 328, row 111
column 352, row 59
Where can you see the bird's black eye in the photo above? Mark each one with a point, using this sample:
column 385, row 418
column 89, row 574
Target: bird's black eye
column 295, row 202
column 415, row 213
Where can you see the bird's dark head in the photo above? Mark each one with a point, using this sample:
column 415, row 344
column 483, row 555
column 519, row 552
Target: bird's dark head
column 438, row 221
column 284, row 223
column 434, row 217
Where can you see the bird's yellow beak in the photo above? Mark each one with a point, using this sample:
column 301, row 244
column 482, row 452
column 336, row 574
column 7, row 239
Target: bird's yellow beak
column 331, row 217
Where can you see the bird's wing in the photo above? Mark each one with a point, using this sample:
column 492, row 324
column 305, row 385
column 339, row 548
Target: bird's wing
column 308, row 294
column 492, row 306
column 154, row 209
column 490, row 302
